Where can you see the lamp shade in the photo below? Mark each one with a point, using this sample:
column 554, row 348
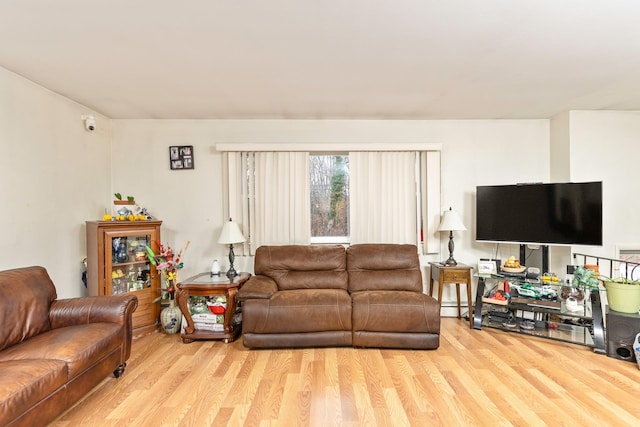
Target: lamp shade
column 231, row 233
column 451, row 221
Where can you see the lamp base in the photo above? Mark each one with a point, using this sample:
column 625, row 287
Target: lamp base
column 450, row 262
column 231, row 274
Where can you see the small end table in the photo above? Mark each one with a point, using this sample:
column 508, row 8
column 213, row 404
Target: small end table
column 457, row 274
column 205, row 284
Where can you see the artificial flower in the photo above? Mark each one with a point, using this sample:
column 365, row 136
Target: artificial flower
column 165, row 263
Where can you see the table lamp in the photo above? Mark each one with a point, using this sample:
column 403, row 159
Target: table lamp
column 451, row 222
column 231, row 234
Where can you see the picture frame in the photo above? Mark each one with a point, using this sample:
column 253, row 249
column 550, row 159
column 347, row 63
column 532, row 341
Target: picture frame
column 487, row 267
column 181, row 157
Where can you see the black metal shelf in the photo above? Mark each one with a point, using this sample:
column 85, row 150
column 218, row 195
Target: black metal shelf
column 565, row 332
column 582, row 327
column 609, row 267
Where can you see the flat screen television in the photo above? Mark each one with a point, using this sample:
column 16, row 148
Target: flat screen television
column 547, row 214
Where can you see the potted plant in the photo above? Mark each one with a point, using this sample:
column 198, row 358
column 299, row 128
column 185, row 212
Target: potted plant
column 122, row 208
column 130, row 200
column 623, row 294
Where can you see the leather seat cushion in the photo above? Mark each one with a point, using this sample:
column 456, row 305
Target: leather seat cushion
column 79, row 347
column 24, row 383
column 300, row 310
column 395, row 311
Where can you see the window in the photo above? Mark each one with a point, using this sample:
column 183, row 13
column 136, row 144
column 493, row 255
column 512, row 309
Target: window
column 329, row 198
column 630, row 271
column 333, row 193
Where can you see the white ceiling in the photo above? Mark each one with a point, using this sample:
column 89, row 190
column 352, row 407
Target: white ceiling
column 329, row 59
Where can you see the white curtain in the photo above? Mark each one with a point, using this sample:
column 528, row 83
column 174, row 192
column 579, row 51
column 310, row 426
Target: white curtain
column 429, row 196
column 383, row 198
column 282, row 199
column 239, row 189
column 269, row 198
column 394, row 197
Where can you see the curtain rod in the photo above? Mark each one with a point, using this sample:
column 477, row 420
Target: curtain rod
column 337, row 147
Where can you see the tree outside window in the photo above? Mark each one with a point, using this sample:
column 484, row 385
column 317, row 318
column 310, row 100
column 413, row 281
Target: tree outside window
column 329, row 192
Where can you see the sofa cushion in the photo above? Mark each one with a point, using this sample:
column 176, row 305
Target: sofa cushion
column 24, row 383
column 383, row 267
column 395, row 311
column 78, row 347
column 300, row 310
column 303, row 267
column 27, row 294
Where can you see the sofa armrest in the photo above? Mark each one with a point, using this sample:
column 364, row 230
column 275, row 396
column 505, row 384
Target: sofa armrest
column 77, row 311
column 257, row 287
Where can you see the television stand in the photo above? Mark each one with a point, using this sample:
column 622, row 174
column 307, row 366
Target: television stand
column 540, row 318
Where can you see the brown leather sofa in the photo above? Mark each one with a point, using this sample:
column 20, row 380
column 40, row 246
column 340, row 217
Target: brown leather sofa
column 52, row 352
column 369, row 295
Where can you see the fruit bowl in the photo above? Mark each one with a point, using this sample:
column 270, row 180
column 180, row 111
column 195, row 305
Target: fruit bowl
column 520, row 269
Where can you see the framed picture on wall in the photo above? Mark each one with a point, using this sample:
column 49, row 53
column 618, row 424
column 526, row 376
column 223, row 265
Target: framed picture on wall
column 181, row 157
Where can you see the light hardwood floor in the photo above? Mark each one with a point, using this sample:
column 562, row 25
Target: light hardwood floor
column 475, row 378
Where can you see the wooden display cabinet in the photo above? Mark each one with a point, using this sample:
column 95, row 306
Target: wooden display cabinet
column 117, row 263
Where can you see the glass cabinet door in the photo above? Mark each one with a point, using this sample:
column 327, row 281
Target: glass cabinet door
column 127, row 266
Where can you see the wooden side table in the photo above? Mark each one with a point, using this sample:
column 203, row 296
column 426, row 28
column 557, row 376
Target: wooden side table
column 452, row 274
column 205, row 284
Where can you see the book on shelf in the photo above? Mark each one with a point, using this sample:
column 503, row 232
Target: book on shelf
column 210, row 322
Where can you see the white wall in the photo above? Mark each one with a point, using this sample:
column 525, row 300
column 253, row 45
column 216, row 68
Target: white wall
column 475, row 152
column 560, row 159
column 605, row 147
column 54, row 176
